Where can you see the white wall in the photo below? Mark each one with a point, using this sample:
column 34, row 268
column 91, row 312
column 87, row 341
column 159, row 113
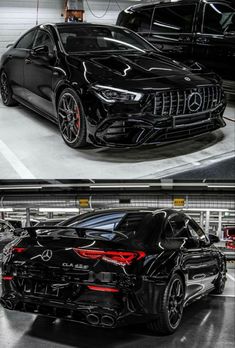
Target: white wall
column 99, row 7
column 16, row 16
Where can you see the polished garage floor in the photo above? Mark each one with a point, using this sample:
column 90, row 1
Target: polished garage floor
column 207, row 323
column 31, row 147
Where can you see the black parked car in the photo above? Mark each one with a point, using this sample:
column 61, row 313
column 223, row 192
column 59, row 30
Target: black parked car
column 107, row 86
column 114, row 267
column 198, row 30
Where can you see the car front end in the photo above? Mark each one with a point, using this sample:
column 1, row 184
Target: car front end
column 161, row 115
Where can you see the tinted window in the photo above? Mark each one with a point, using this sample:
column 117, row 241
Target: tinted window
column 96, row 38
column 195, row 231
column 100, row 221
column 137, row 21
column 218, row 19
column 173, row 19
column 43, row 39
column 175, row 227
column 26, row 41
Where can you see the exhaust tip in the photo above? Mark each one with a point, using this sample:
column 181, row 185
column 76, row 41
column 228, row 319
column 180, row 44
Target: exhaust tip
column 107, row 320
column 10, row 304
column 93, row 319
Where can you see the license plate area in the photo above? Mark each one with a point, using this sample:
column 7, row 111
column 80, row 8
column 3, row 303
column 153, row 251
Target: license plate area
column 46, row 289
column 191, row 120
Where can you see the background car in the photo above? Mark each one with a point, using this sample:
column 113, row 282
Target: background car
column 107, row 86
column 196, row 30
column 6, row 235
column 113, row 268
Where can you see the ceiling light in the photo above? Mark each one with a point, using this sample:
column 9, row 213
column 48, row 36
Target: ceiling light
column 58, row 210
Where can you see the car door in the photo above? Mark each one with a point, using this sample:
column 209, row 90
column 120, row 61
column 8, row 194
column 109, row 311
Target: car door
column 190, row 252
column 172, row 29
column 209, row 260
column 39, row 71
column 14, row 65
column 215, row 39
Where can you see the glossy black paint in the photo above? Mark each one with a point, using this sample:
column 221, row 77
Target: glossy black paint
column 214, row 50
column 58, row 286
column 37, row 81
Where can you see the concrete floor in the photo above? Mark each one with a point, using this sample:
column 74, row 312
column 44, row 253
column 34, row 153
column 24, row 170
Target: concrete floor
column 31, row 147
column 206, row 323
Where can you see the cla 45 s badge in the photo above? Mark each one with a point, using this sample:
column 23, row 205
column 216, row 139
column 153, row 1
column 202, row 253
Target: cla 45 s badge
column 107, row 86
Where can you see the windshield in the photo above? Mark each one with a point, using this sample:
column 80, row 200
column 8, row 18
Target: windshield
column 80, row 39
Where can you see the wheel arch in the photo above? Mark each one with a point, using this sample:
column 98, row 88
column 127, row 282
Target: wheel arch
column 61, row 88
column 181, row 274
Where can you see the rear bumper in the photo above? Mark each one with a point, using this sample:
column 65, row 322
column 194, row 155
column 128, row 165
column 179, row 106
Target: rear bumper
column 133, row 131
column 99, row 309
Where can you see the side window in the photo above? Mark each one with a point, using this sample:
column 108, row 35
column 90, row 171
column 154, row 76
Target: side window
column 138, row 21
column 26, row 41
column 173, row 19
column 175, row 227
column 44, row 39
column 218, row 19
column 195, row 231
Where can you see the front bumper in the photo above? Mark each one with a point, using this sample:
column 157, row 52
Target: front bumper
column 142, row 129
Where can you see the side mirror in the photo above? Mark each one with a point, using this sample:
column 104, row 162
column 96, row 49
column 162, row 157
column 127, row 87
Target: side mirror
column 213, row 239
column 40, row 51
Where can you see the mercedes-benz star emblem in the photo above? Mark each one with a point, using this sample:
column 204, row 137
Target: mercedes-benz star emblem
column 194, row 101
column 46, row 255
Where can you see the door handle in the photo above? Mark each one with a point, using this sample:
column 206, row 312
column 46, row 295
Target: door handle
column 184, row 39
column 10, row 56
column 202, row 40
column 28, row 61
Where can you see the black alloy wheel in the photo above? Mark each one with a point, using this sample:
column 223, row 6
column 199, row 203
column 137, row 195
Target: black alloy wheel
column 71, row 119
column 171, row 307
column 220, row 281
column 6, row 92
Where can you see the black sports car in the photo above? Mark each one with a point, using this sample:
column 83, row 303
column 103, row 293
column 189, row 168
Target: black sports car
column 113, row 267
column 107, row 86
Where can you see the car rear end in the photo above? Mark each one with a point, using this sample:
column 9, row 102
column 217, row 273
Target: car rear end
column 87, row 280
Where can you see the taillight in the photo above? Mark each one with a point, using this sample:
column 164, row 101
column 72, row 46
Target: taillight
column 7, row 277
column 102, row 288
column 16, row 250
column 121, row 258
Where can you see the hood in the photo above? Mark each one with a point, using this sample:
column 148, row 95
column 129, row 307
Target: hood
column 145, row 70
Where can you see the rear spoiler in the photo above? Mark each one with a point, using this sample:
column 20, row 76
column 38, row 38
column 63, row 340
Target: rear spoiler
column 33, row 234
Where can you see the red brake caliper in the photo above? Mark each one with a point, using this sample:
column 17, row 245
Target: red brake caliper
column 78, row 117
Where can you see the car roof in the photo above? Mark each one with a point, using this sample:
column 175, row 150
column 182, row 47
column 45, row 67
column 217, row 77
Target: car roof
column 165, row 2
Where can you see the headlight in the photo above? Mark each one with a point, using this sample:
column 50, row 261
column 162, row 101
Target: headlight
column 112, row 95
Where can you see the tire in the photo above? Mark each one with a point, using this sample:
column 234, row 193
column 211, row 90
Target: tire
column 220, row 281
column 6, row 91
column 170, row 307
column 71, row 119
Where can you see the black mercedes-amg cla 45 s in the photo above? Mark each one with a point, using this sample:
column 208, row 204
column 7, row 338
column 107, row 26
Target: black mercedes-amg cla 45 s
column 113, row 267
column 107, row 86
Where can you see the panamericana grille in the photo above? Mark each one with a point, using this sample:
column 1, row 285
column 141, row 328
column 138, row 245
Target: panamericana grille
column 176, row 102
